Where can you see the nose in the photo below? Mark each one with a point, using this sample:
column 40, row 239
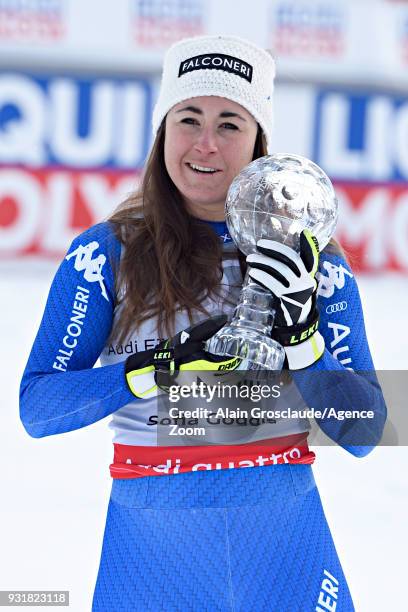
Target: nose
column 206, row 141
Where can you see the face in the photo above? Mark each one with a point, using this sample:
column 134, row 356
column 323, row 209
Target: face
column 208, row 140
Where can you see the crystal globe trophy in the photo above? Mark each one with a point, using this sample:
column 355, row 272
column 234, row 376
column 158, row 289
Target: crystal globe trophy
column 275, row 197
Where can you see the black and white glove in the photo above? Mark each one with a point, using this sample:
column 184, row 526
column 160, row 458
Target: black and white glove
column 290, row 276
column 150, row 372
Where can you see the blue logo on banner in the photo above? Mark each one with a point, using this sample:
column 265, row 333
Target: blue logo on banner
column 158, row 24
column 326, row 17
column 74, row 122
column 32, row 20
column 179, row 9
column 25, row 8
column 360, row 136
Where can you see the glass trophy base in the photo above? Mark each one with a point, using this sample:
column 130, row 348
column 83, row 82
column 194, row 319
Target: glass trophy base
column 257, row 351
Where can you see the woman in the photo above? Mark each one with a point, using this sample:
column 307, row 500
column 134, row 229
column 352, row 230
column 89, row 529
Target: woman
column 182, row 532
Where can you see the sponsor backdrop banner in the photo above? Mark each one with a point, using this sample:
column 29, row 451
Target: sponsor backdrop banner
column 373, row 225
column 137, row 31
column 72, row 148
column 361, row 136
column 361, row 140
column 359, row 41
column 32, row 21
column 364, row 41
column 156, row 24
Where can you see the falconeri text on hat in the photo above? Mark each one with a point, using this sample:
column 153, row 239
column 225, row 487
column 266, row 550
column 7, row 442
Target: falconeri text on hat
column 225, row 66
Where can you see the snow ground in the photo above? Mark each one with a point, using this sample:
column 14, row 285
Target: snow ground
column 55, row 490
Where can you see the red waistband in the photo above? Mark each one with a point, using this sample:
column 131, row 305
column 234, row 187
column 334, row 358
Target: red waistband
column 137, row 461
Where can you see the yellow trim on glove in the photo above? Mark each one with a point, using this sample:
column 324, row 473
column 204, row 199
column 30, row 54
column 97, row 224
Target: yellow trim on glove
column 142, row 372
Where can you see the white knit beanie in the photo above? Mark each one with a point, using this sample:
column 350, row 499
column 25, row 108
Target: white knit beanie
column 225, row 66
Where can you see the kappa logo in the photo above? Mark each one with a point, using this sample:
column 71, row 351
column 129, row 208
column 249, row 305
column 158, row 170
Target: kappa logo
column 92, row 268
column 338, row 307
column 335, row 279
column 217, row 61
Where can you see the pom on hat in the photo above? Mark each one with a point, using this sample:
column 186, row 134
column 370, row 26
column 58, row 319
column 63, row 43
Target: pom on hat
column 225, row 66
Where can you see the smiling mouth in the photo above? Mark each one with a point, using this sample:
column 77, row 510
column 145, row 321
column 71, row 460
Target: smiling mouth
column 202, row 169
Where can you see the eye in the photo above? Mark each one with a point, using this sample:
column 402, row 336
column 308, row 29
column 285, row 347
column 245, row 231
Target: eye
column 189, row 121
column 229, row 126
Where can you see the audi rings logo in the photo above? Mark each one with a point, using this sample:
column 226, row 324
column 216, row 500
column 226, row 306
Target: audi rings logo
column 338, row 307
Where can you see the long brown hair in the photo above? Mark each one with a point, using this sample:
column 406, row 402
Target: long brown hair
column 171, row 260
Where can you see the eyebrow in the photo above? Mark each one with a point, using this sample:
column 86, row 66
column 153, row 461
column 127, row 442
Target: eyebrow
column 198, row 111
